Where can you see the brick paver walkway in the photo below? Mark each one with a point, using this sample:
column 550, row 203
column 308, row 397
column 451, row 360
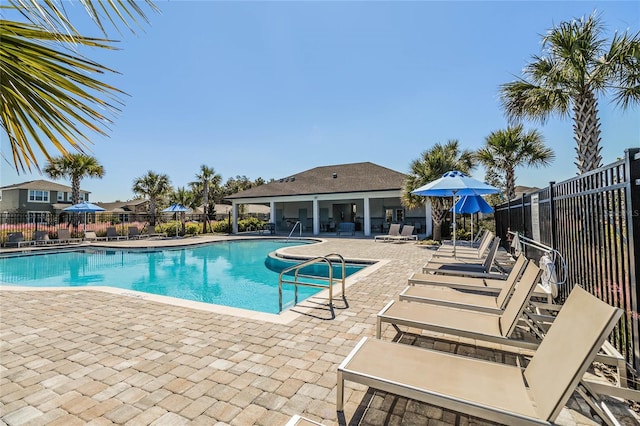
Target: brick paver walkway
column 90, row 357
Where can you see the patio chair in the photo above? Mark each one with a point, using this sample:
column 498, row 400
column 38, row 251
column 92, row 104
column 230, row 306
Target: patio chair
column 64, row 236
column 16, row 239
column 454, row 298
column 394, row 231
column 497, row 392
column 112, row 234
column 41, row 237
column 464, row 267
column 405, row 235
column 495, row 328
column 134, row 233
column 467, row 252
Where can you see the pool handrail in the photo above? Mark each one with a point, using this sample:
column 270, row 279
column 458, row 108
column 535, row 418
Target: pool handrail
column 325, row 259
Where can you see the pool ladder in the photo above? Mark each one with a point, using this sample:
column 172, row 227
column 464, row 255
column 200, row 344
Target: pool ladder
column 298, row 223
column 330, row 281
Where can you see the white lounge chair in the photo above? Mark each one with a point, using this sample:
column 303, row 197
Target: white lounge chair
column 394, row 231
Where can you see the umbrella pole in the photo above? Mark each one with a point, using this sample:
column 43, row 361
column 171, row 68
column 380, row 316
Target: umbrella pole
column 454, row 225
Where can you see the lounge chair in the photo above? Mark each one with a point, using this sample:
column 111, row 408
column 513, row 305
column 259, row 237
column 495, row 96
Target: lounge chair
column 151, row 232
column 467, row 252
column 394, row 231
column 447, row 296
column 134, row 233
column 465, row 267
column 16, row 239
column 500, row 393
column 41, row 237
column 346, row 228
column 112, row 234
column 496, row 328
column 405, row 235
column 64, row 237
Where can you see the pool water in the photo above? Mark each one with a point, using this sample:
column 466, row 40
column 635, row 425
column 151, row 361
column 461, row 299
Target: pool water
column 230, row 273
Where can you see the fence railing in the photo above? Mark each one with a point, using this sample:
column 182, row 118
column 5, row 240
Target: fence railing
column 593, row 220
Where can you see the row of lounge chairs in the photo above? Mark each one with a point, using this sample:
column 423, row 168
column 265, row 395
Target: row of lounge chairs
column 451, row 301
column 16, row 239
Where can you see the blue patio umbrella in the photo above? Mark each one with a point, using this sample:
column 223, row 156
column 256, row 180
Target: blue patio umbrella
column 472, row 204
column 454, row 184
column 84, row 207
column 175, row 208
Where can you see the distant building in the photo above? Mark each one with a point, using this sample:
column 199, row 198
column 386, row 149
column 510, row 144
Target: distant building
column 37, row 198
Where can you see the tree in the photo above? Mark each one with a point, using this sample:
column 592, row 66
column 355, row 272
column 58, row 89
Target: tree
column 431, row 165
column 504, row 150
column 47, row 92
column 156, row 187
column 75, row 167
column 207, row 180
column 577, row 66
column 187, row 198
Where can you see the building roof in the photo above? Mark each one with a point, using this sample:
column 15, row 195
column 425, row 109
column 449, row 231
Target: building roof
column 341, row 178
column 41, row 185
column 122, row 206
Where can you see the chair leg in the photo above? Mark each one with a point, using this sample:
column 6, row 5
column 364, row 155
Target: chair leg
column 340, row 392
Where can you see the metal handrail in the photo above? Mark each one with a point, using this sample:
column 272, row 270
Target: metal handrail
column 294, row 228
column 330, row 280
column 555, row 254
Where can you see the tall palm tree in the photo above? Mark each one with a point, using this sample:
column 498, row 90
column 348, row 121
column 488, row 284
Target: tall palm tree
column 431, row 165
column 75, row 167
column 577, row 66
column 504, row 150
column 156, row 187
column 207, row 179
column 47, row 90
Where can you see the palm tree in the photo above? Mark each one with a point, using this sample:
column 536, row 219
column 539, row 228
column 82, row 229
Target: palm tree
column 578, row 65
column 47, row 90
column 75, row 167
column 207, row 179
column 188, row 199
column 156, row 187
column 431, row 165
column 504, row 150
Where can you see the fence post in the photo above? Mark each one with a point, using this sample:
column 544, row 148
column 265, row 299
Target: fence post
column 632, row 165
column 552, row 215
column 524, row 217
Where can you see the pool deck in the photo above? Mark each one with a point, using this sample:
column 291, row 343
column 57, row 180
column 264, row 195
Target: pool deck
column 85, row 356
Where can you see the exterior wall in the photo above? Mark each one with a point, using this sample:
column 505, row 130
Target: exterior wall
column 10, row 201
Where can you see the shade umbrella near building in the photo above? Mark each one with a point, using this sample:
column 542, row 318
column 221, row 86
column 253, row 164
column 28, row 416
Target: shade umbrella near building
column 472, row 204
column 84, row 207
column 176, row 208
column 455, row 184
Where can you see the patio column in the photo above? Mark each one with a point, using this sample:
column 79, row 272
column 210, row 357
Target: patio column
column 316, row 216
column 272, row 212
column 428, row 228
column 367, row 217
column 234, row 213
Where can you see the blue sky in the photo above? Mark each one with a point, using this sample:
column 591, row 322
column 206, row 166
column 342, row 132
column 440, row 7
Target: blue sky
column 270, row 89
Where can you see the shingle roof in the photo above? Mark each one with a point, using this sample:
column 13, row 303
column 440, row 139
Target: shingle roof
column 341, row 178
column 41, row 185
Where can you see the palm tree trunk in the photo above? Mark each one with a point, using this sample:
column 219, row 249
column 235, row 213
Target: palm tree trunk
column 437, row 214
column 152, row 211
column 510, row 179
column 75, row 189
column 586, row 128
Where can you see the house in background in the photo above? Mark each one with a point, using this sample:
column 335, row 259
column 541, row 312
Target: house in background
column 126, row 210
column 38, row 199
column 365, row 194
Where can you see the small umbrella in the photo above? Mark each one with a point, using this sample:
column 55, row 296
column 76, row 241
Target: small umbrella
column 455, row 183
column 472, row 204
column 84, row 207
column 175, row 208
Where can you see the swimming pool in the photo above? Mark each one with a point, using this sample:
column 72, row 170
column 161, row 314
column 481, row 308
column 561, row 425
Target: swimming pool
column 229, row 273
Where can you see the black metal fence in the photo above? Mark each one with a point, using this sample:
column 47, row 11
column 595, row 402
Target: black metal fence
column 593, row 221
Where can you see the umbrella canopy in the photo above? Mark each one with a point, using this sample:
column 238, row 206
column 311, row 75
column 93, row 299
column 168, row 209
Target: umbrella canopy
column 83, row 207
column 175, row 208
column 455, row 183
column 472, row 204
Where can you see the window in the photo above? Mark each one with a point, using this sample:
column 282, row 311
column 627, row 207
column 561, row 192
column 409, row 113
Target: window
column 60, row 196
column 38, row 196
column 39, row 217
column 82, row 196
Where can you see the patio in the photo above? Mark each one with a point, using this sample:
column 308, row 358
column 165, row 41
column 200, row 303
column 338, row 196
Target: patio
column 92, row 357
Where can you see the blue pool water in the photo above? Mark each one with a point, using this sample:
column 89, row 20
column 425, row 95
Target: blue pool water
column 231, row 273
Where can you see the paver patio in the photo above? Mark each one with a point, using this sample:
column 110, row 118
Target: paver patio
column 91, row 357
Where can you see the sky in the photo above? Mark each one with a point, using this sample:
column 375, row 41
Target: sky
column 270, row 89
